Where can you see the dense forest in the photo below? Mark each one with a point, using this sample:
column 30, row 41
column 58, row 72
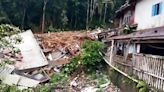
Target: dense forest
column 52, row 15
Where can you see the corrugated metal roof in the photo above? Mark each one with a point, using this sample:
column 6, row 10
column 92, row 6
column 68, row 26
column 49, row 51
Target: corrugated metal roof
column 153, row 33
column 126, row 6
column 33, row 56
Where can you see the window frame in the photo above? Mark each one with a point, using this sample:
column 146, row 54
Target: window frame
column 157, row 9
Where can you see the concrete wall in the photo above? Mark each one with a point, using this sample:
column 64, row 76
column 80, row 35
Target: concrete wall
column 143, row 14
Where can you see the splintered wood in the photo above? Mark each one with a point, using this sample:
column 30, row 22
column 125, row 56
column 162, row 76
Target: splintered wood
column 58, row 40
column 67, row 44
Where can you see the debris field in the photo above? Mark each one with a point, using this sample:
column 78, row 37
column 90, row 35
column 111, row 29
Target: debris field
column 39, row 56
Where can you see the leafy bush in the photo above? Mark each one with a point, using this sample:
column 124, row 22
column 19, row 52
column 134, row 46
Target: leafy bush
column 58, row 78
column 6, row 31
column 129, row 29
column 89, row 56
column 142, row 86
column 7, row 88
column 74, row 64
column 43, row 88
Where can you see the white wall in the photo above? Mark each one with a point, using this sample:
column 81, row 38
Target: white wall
column 143, row 14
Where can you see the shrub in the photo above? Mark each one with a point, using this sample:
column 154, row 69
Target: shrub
column 6, row 31
column 89, row 56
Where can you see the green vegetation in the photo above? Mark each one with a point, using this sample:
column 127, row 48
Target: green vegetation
column 6, row 61
column 6, row 31
column 129, row 29
column 123, row 82
column 59, row 14
column 58, row 79
column 69, row 68
column 88, row 58
column 142, row 86
column 6, row 88
column 43, row 88
column 7, row 41
column 90, row 55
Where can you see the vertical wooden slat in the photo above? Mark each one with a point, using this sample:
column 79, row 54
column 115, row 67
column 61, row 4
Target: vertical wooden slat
column 150, row 64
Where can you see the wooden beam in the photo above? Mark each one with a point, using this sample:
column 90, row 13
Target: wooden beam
column 139, row 70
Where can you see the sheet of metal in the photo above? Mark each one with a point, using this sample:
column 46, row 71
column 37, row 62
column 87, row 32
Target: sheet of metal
column 33, row 56
column 11, row 79
column 27, row 82
column 146, row 34
column 5, row 70
column 20, row 81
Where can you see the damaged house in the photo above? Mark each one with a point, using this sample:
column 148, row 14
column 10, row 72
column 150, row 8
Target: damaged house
column 138, row 47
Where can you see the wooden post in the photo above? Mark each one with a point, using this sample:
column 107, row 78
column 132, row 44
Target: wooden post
column 138, row 48
column 111, row 52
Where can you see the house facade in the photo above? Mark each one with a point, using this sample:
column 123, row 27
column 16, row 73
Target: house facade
column 149, row 14
column 140, row 52
column 145, row 13
column 125, row 14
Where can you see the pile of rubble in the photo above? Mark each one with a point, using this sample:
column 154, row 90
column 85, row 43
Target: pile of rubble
column 60, row 47
column 25, row 65
column 37, row 57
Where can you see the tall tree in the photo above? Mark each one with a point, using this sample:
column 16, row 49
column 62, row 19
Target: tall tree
column 44, row 12
column 59, row 14
column 87, row 19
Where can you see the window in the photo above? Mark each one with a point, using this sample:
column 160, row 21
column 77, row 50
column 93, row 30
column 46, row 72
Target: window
column 127, row 17
column 153, row 48
column 120, row 49
column 157, row 9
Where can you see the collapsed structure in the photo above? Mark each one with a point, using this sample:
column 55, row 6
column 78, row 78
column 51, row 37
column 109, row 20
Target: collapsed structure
column 37, row 57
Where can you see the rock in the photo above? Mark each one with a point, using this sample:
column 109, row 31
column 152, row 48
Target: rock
column 39, row 76
column 89, row 89
column 56, row 70
column 73, row 83
column 104, row 85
